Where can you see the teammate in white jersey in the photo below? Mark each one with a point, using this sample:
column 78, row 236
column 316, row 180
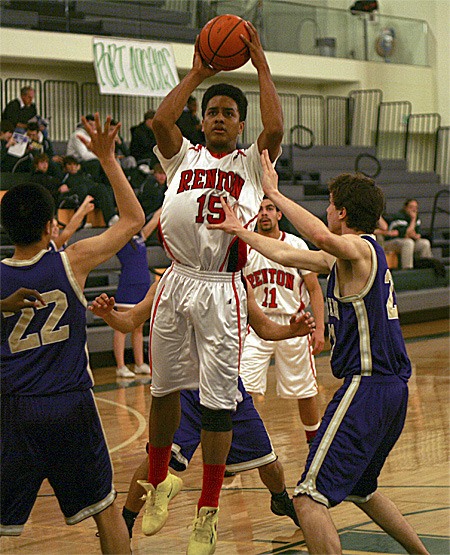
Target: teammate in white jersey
column 199, row 316
column 281, row 291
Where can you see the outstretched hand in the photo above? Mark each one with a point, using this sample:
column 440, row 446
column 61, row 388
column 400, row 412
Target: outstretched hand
column 270, row 176
column 302, row 323
column 21, row 299
column 102, row 140
column 231, row 224
column 102, row 305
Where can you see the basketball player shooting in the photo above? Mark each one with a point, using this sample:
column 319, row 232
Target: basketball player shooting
column 198, row 321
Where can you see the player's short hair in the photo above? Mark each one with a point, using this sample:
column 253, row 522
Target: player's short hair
column 363, row 200
column 223, row 89
column 25, row 211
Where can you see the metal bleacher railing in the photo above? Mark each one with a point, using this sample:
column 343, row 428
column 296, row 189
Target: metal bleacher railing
column 360, row 119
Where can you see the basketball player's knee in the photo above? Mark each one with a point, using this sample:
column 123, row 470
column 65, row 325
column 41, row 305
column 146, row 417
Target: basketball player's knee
column 216, row 420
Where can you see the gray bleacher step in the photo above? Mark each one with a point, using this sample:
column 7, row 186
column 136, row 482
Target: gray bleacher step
column 327, row 151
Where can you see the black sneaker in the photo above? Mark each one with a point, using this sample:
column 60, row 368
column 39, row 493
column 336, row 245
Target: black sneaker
column 283, row 506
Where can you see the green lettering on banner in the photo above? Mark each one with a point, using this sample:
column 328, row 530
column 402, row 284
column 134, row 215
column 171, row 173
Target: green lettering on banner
column 109, row 64
column 126, row 67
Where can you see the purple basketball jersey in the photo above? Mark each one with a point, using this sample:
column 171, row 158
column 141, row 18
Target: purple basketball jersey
column 43, row 350
column 365, row 332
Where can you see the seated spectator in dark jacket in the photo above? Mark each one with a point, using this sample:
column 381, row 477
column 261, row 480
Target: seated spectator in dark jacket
column 41, row 145
column 76, row 185
column 122, row 151
column 20, row 110
column 6, row 137
column 151, row 195
column 143, row 140
column 190, row 124
column 40, row 175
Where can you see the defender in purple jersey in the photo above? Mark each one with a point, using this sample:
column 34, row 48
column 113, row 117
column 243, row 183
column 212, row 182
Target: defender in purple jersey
column 366, row 416
column 49, row 420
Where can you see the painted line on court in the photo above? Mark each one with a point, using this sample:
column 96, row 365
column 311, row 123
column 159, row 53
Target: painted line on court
column 290, row 548
column 142, row 424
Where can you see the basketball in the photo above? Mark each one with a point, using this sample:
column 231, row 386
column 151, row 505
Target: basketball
column 220, row 44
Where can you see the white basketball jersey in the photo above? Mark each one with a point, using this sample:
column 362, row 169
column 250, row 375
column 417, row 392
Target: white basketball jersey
column 278, row 289
column 196, row 181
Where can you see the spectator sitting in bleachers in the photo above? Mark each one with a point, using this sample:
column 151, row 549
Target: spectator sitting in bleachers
column 38, row 144
column 152, row 191
column 7, row 162
column 20, row 110
column 143, row 140
column 408, row 243
column 122, row 152
column 190, row 124
column 77, row 149
column 40, row 174
column 76, row 185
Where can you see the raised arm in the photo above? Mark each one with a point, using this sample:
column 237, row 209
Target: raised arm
column 167, row 133
column 278, row 251
column 75, row 221
column 300, row 324
column 347, row 247
column 87, row 254
column 270, row 105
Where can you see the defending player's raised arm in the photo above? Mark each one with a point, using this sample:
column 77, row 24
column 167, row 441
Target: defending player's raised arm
column 347, row 247
column 270, row 105
column 167, row 133
column 300, row 324
column 87, row 254
column 125, row 322
column 278, row 251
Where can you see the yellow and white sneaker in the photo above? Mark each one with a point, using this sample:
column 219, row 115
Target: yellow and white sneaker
column 156, row 502
column 204, row 532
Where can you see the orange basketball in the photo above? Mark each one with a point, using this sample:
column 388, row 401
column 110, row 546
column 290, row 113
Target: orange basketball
column 220, row 44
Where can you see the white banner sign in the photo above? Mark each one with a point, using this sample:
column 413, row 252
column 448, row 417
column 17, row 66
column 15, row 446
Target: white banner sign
column 134, row 67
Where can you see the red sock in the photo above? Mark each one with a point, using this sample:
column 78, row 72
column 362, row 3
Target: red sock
column 158, row 458
column 311, row 431
column 212, row 484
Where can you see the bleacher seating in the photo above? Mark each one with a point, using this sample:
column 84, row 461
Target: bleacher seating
column 398, row 184
column 146, row 19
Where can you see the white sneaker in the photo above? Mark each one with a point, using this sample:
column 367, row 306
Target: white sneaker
column 142, row 369
column 124, row 372
column 204, row 533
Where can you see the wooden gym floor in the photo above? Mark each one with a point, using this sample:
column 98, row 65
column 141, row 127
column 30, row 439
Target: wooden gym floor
column 416, row 475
